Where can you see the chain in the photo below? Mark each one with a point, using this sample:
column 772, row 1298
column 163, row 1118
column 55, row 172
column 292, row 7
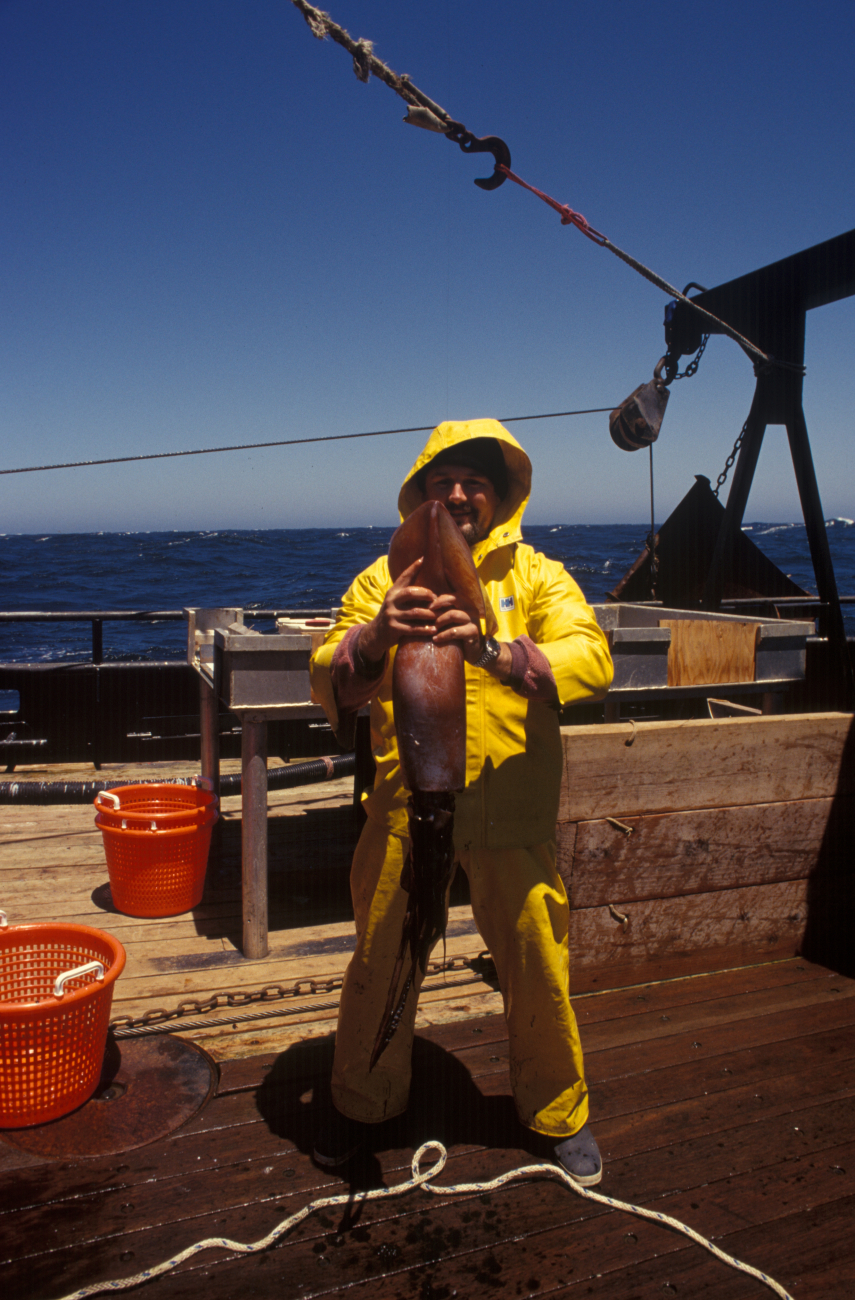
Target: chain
column 722, row 478
column 692, row 367
column 124, row 1026
column 238, row 998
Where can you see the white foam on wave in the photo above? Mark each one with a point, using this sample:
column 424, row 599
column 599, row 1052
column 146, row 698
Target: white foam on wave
column 840, row 519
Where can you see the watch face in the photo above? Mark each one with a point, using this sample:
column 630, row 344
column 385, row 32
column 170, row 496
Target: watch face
column 489, row 654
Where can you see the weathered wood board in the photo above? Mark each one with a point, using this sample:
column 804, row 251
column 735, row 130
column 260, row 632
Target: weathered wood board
column 691, row 852
column 630, row 769
column 662, row 938
column 704, row 651
column 689, row 846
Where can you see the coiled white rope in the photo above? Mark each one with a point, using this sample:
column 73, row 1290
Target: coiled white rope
column 420, row 1179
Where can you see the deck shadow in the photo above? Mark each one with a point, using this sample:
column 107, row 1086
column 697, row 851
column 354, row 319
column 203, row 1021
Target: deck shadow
column 445, row 1105
column 309, row 857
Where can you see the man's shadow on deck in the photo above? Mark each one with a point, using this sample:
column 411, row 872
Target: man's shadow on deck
column 445, row 1105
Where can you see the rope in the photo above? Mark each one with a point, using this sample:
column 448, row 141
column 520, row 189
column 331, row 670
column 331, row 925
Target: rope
column 284, row 442
column 422, row 1180
column 569, row 217
column 365, row 62
column 651, row 541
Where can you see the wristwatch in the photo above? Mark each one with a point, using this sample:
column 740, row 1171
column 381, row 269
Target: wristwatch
column 489, row 654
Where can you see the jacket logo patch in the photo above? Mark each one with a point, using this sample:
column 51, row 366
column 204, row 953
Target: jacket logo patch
column 505, row 603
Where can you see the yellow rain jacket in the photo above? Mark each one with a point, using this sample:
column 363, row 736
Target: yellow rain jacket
column 513, row 758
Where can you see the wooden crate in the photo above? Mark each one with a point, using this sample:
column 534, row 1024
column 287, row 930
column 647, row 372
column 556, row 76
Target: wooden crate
column 691, row 846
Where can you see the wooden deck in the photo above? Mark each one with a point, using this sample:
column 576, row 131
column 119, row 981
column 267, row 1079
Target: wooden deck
column 724, row 1100
column 52, row 867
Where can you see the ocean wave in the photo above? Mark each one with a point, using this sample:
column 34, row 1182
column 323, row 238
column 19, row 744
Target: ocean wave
column 285, row 569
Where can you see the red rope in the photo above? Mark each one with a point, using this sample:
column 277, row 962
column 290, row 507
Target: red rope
column 567, row 215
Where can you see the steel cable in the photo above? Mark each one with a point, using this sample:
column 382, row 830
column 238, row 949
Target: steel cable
column 283, row 442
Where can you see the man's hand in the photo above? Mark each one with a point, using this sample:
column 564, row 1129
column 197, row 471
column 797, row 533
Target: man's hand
column 457, row 621
column 406, row 611
column 412, row 611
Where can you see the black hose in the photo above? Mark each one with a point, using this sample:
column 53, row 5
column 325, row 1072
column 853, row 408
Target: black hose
column 311, row 772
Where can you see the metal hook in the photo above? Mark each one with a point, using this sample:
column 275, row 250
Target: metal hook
column 470, row 143
column 501, row 153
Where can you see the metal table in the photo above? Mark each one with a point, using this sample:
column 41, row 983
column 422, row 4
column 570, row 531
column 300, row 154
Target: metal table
column 262, row 677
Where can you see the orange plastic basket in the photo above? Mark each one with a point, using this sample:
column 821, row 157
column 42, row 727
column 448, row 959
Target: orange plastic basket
column 54, row 1016
column 156, row 872
column 136, row 806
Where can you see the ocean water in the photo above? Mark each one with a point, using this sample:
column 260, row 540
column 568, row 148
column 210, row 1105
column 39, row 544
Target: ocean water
column 305, row 569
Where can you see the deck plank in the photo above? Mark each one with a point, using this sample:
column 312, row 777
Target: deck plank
column 457, row 1237
column 754, row 1143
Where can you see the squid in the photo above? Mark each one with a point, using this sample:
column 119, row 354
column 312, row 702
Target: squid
column 429, row 703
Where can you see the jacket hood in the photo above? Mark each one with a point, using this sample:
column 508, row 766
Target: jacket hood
column 506, row 525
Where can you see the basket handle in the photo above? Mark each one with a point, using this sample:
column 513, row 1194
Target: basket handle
column 4, row 920
column 91, row 968
column 113, row 798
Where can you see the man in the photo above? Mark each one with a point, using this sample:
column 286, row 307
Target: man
column 548, row 651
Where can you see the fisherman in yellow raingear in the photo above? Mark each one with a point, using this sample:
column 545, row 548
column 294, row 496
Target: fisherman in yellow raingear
column 548, row 651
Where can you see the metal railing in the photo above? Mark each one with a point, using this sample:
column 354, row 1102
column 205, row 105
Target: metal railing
column 98, row 617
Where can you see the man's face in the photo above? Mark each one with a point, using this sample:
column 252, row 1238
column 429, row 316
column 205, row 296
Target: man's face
column 468, row 496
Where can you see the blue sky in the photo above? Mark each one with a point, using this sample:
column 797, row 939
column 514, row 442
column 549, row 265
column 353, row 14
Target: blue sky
column 214, row 234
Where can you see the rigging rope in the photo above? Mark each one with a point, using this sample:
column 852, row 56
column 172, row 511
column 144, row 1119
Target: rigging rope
column 422, row 1180
column 283, row 442
column 365, row 62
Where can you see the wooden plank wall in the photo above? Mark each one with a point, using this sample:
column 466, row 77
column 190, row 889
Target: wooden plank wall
column 690, row 846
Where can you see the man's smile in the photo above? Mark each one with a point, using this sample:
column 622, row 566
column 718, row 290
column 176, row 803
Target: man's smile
column 468, row 496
